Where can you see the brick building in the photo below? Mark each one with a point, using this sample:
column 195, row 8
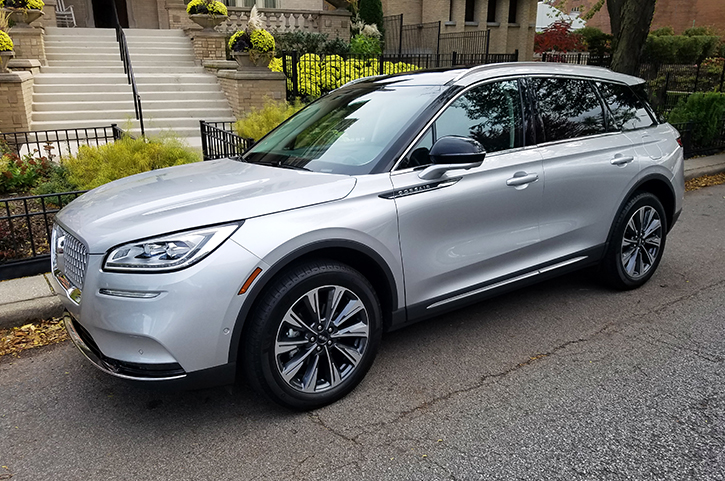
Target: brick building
column 512, row 22
column 678, row 14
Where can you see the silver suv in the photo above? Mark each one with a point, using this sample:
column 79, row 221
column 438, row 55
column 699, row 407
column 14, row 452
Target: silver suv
column 370, row 209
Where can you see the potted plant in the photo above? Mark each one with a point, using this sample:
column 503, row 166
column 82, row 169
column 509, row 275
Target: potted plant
column 6, row 51
column 253, row 47
column 23, row 12
column 207, row 13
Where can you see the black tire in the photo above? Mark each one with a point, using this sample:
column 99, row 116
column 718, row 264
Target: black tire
column 331, row 354
column 637, row 243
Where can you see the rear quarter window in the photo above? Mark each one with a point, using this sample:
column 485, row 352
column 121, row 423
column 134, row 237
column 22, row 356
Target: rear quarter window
column 627, row 111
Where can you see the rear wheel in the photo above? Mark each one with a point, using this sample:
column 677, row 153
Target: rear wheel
column 637, row 242
column 313, row 336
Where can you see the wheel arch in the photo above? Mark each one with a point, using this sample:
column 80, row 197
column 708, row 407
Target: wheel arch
column 358, row 256
column 659, row 186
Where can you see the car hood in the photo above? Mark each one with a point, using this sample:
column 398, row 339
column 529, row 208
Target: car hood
column 193, row 195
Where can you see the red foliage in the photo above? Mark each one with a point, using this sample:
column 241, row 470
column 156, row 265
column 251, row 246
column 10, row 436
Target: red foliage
column 558, row 37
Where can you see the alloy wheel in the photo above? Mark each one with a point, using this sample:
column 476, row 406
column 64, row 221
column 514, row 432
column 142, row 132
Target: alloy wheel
column 641, row 242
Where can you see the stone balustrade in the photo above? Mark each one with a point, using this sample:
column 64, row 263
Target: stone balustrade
column 335, row 23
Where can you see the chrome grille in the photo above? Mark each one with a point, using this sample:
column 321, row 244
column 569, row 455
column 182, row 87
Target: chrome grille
column 75, row 258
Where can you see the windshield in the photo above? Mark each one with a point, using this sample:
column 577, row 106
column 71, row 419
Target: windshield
column 345, row 132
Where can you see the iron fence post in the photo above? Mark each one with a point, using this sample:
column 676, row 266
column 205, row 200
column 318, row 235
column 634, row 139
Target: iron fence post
column 204, row 148
column 697, row 77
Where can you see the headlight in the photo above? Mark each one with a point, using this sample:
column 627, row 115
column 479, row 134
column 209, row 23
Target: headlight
column 170, row 252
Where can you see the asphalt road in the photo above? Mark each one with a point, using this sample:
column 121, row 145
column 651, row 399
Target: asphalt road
column 564, row 380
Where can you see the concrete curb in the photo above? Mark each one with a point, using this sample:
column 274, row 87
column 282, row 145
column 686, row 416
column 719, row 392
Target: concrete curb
column 32, row 298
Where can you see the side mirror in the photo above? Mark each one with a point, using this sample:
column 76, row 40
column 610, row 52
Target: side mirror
column 453, row 152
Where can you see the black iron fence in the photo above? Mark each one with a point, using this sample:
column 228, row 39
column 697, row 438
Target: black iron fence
column 56, row 143
column 465, row 43
column 218, row 140
column 312, row 75
column 701, row 139
column 25, row 229
column 669, row 84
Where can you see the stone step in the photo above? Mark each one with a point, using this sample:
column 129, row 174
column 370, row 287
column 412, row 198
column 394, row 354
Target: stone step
column 85, row 95
column 96, row 63
column 189, row 88
column 123, row 111
column 80, row 32
column 75, row 58
column 142, row 69
column 82, row 51
column 80, row 78
column 123, row 102
column 175, row 78
column 81, row 89
column 76, row 70
column 149, row 32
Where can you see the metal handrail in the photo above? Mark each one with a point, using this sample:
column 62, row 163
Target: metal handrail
column 128, row 68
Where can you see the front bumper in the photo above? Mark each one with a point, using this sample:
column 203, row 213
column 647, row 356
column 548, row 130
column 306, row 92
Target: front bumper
column 184, row 329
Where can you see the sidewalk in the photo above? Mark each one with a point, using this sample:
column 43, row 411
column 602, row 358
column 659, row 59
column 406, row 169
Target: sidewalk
column 32, row 298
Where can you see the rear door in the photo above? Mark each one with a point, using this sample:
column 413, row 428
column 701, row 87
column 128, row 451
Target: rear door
column 588, row 168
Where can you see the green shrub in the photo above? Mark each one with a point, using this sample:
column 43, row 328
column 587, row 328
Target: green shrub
column 364, row 45
column 311, row 42
column 94, row 166
column 20, row 174
column 703, row 108
column 258, row 122
column 680, row 49
column 55, row 183
column 597, row 42
column 662, row 32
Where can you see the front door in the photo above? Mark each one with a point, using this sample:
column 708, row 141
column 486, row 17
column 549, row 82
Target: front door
column 470, row 227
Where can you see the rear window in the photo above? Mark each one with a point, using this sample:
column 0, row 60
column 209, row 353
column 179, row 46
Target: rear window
column 568, row 108
column 627, row 111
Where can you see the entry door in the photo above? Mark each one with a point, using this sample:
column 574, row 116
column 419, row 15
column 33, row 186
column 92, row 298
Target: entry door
column 470, row 227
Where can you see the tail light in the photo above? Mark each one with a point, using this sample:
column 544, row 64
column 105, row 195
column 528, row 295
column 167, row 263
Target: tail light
column 679, row 141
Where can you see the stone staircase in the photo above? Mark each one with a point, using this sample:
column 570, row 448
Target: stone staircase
column 84, row 84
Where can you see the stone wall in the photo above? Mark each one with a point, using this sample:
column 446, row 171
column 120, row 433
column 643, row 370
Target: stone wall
column 29, row 43
column 248, row 89
column 16, row 101
column 209, row 46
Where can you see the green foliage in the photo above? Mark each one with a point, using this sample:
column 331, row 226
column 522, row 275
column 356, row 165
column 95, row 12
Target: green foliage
column 371, row 12
column 596, row 41
column 311, row 42
column 94, row 166
column 6, row 43
column 29, row 4
column 699, row 32
column 364, row 45
column 663, row 32
column 58, row 181
column 257, row 123
column 262, row 41
column 679, row 49
column 20, row 174
column 209, row 7
column 315, row 74
column 703, row 108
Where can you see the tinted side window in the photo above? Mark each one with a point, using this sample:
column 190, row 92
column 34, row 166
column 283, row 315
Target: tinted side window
column 568, row 108
column 628, row 111
column 490, row 114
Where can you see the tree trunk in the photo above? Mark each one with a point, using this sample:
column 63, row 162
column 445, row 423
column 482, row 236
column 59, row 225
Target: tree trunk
column 630, row 21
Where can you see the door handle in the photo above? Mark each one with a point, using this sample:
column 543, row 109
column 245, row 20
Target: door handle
column 620, row 159
column 522, row 178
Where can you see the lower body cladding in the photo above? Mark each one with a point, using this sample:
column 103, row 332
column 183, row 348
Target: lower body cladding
column 174, row 327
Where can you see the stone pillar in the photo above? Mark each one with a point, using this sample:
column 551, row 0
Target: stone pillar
column 49, row 19
column 29, row 64
column 335, row 23
column 16, row 101
column 29, row 43
column 247, row 89
column 209, row 45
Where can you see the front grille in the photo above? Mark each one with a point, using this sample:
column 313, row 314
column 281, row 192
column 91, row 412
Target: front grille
column 75, row 258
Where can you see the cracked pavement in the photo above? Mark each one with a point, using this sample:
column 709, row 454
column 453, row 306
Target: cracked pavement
column 562, row 380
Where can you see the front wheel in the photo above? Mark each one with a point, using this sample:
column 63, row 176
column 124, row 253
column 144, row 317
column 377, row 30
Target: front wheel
column 637, row 242
column 313, row 336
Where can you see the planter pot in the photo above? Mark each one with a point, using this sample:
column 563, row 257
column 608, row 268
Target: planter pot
column 247, row 61
column 206, row 21
column 23, row 17
column 5, row 57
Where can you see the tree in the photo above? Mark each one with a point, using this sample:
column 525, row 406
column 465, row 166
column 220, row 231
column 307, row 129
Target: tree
column 630, row 21
column 558, row 37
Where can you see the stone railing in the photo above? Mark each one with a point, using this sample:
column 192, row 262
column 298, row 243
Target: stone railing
column 335, row 23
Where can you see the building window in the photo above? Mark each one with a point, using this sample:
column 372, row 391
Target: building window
column 513, row 6
column 258, row 3
column 470, row 10
column 491, row 16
